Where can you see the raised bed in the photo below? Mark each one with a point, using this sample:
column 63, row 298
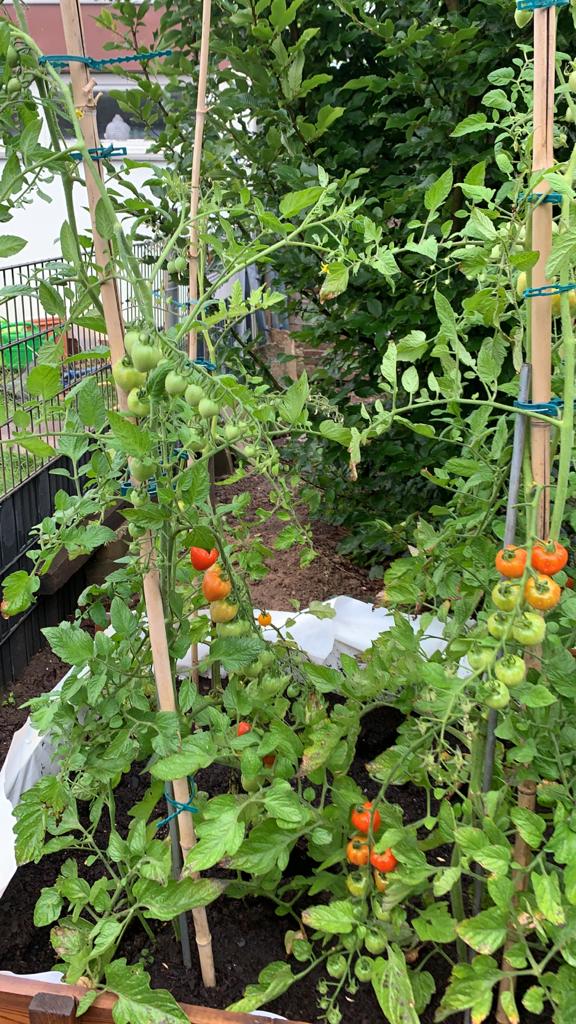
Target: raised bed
column 27, row 1001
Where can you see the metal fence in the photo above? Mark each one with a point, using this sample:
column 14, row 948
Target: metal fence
column 25, row 327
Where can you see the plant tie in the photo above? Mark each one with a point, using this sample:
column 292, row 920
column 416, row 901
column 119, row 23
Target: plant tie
column 178, row 806
column 95, row 64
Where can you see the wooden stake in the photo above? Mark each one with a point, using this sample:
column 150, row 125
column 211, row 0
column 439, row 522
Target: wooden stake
column 541, row 359
column 83, row 93
column 167, row 702
column 196, row 166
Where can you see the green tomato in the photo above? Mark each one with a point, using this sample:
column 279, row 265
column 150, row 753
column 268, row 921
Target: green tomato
column 194, row 395
column 266, row 658
column 141, row 469
column 293, row 690
column 131, row 338
column 145, row 355
column 126, row 376
column 136, row 531
column 207, row 408
column 496, row 694
column 480, row 658
column 357, row 883
column 195, row 443
column 572, row 81
column 379, row 909
column 13, row 87
column 375, row 942
column 336, row 965
column 522, row 18
column 249, row 451
column 309, row 794
column 12, row 56
column 497, row 625
column 230, row 629
column 250, row 784
column 232, row 432
column 507, row 595
column 181, row 264
column 175, row 384
column 171, row 267
column 363, row 968
column 510, row 670
column 529, row 629
column 138, row 402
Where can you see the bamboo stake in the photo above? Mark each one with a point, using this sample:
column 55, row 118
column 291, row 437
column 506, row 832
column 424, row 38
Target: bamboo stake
column 541, row 358
column 167, row 702
column 540, row 307
column 83, row 93
column 193, row 289
column 85, row 102
column 201, row 112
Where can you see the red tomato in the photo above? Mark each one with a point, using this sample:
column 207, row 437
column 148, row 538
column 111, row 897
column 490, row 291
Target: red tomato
column 361, row 816
column 383, row 862
column 243, row 728
column 549, row 558
column 269, row 760
column 202, row 559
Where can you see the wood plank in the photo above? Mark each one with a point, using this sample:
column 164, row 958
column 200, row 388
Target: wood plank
column 16, row 994
column 62, row 568
column 48, row 1008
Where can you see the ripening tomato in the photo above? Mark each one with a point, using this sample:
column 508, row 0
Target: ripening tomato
column 510, row 670
column 511, row 561
column 357, row 883
column 214, row 587
column 363, row 815
column 243, row 728
column 223, row 611
column 506, row 595
column 358, row 850
column 380, row 880
column 384, row 862
column 269, row 760
column 202, row 559
column 264, row 618
column 529, row 629
column 542, row 593
column 550, row 557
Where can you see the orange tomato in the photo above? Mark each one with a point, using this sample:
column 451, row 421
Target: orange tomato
column 511, row 561
column 214, row 587
column 358, row 850
column 542, row 592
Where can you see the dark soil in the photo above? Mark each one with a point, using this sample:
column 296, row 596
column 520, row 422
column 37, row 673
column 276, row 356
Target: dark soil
column 329, row 575
column 41, row 674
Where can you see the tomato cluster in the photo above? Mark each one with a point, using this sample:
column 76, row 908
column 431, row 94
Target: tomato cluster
column 526, row 589
column 366, row 820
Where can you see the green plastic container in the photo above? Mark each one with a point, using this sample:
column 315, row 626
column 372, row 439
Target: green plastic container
column 29, row 338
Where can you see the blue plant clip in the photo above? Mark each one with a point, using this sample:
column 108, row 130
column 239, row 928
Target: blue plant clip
column 95, row 64
column 548, row 289
column 541, row 197
column 101, row 153
column 551, row 408
column 533, row 5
